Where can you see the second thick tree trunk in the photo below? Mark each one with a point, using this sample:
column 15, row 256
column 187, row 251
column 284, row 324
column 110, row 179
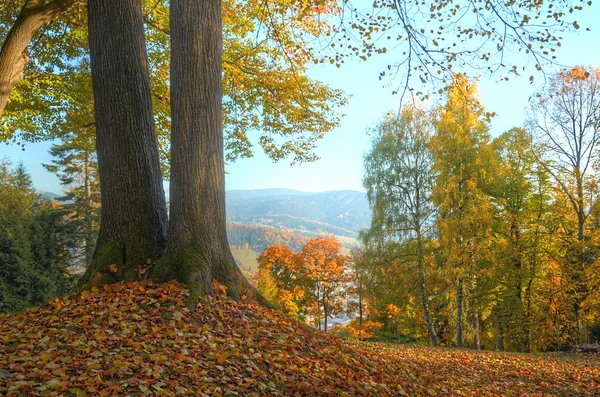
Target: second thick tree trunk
column 197, row 251
column 134, row 216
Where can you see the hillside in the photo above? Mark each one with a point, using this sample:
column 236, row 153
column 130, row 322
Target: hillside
column 342, row 213
column 249, row 241
column 260, row 237
column 259, row 218
column 246, row 260
column 139, row 339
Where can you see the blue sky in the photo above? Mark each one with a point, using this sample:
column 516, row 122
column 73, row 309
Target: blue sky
column 341, row 151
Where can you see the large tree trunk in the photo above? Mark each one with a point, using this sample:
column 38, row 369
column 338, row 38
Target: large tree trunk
column 421, row 270
column 197, row 251
column 134, row 216
column 13, row 55
column 88, row 243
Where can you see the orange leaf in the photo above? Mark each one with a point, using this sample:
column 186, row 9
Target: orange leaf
column 223, row 357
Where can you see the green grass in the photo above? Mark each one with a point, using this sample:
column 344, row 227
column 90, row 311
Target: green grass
column 246, row 258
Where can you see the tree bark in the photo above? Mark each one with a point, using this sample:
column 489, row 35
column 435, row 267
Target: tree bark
column 476, row 336
column 197, row 251
column 421, row 270
column 134, row 216
column 475, row 311
column 13, row 55
column 580, row 285
column 360, row 306
column 500, row 330
column 526, row 326
column 89, row 222
column 326, row 315
column 459, row 298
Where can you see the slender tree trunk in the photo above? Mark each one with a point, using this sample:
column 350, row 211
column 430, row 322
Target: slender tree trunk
column 360, row 307
column 476, row 336
column 197, row 251
column 580, row 285
column 476, row 328
column 515, row 247
column 325, row 314
column 526, row 347
column 421, row 270
column 459, row 298
column 500, row 330
column 320, row 301
column 134, row 216
column 13, row 55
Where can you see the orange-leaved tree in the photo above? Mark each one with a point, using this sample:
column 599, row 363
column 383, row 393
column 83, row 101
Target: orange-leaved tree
column 325, row 266
column 281, row 279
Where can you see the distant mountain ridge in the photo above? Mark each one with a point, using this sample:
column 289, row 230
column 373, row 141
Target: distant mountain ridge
column 51, row 195
column 339, row 212
column 270, row 192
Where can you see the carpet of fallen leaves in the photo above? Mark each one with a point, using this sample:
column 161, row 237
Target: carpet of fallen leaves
column 140, row 339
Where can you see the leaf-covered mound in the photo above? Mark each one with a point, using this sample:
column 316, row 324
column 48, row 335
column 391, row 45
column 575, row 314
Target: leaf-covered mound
column 140, row 339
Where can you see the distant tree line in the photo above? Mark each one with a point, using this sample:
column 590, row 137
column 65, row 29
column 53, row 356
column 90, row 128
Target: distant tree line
column 491, row 241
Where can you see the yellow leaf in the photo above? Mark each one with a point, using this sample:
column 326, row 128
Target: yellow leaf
column 222, row 357
column 90, row 367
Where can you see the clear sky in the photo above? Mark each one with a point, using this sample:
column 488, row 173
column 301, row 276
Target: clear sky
column 341, row 151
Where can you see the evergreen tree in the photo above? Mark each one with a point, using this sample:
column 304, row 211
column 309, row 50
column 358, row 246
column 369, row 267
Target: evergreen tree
column 75, row 165
column 35, row 252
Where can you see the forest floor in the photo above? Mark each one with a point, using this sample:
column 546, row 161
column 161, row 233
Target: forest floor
column 140, row 339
